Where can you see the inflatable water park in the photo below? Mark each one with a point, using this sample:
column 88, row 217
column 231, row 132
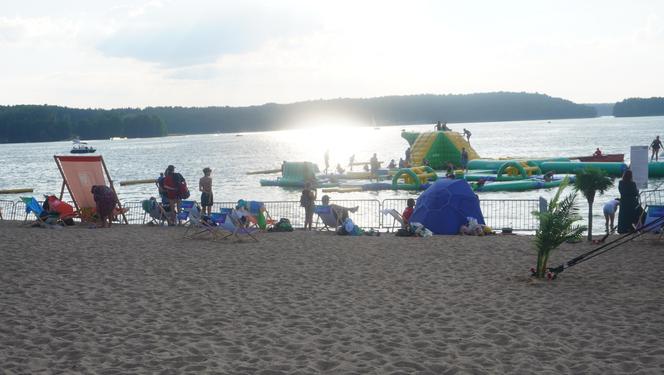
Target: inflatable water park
column 438, row 154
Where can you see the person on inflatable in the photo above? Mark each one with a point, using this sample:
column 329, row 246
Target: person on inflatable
column 598, row 152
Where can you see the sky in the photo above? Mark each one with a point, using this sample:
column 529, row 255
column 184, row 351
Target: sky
column 138, row 53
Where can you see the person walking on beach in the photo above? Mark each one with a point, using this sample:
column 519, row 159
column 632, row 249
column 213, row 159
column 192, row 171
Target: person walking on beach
column 351, row 161
column 467, row 134
column 464, row 159
column 205, row 187
column 656, row 145
column 308, row 202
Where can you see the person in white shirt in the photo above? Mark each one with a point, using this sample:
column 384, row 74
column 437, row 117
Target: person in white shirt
column 610, row 209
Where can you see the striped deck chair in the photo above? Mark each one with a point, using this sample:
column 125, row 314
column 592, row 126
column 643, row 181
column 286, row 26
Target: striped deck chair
column 236, row 223
column 79, row 175
column 261, row 217
column 198, row 225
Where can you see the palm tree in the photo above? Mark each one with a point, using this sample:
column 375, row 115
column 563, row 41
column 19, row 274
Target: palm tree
column 589, row 181
column 556, row 226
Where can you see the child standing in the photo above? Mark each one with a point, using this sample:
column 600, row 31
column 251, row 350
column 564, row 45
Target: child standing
column 205, row 186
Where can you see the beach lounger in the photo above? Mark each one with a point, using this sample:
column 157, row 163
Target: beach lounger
column 235, row 222
column 329, row 218
column 155, row 210
column 185, row 209
column 396, row 216
column 198, row 225
column 79, row 175
column 32, row 205
column 260, row 216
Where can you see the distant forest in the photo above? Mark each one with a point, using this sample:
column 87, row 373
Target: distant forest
column 639, row 107
column 32, row 123
column 388, row 110
column 44, row 123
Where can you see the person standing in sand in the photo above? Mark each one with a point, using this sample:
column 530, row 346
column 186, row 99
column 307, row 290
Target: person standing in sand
column 171, row 185
column 308, row 202
column 205, row 187
column 629, row 203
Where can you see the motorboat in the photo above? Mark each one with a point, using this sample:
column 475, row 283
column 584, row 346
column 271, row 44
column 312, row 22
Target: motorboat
column 81, row 148
column 604, row 158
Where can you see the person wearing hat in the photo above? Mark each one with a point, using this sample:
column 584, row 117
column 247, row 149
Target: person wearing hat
column 205, row 186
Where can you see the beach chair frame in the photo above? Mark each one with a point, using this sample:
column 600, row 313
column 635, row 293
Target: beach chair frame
column 65, row 183
column 396, row 216
column 239, row 228
column 327, row 215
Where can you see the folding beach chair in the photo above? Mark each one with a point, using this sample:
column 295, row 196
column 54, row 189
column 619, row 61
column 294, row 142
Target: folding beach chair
column 155, row 210
column 79, row 175
column 261, row 217
column 396, row 216
column 653, row 213
column 329, row 218
column 185, row 209
column 235, row 222
column 198, row 225
column 32, row 205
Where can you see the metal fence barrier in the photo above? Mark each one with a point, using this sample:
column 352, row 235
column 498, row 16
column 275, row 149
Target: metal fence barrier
column 652, row 197
column 498, row 213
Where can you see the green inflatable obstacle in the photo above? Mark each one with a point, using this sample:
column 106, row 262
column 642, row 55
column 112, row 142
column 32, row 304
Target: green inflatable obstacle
column 611, row 169
column 438, row 148
column 294, row 174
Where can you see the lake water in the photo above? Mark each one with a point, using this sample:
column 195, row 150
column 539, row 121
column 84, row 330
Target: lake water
column 230, row 156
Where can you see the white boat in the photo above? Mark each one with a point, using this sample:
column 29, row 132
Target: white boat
column 81, row 147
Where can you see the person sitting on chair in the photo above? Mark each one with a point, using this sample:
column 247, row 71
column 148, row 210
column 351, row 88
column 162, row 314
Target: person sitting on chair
column 340, row 212
column 408, row 212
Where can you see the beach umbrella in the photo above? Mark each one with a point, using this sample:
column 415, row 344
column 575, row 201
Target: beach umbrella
column 446, row 205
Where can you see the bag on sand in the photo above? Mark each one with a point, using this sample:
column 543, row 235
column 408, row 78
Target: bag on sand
column 283, row 225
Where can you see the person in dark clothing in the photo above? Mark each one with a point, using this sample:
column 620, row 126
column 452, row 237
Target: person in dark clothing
column 629, row 203
column 656, row 145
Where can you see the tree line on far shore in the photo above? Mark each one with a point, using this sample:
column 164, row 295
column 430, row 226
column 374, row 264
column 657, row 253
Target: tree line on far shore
column 45, row 123
column 634, row 107
column 33, row 123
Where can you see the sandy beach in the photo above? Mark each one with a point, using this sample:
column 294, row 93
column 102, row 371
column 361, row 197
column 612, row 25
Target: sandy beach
column 139, row 299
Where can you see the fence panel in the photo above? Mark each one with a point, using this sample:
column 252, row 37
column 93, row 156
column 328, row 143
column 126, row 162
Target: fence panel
column 652, row 197
column 7, row 210
column 498, row 213
column 135, row 213
column 511, row 213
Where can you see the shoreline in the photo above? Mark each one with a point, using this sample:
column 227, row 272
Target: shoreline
column 141, row 299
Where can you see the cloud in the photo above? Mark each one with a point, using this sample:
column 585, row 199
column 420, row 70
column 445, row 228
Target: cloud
column 173, row 36
column 195, row 73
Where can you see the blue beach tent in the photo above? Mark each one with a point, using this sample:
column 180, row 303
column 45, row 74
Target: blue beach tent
column 445, row 205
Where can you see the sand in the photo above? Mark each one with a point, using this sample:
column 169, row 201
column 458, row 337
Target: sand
column 138, row 299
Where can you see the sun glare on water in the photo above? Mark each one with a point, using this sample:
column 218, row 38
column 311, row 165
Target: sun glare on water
column 341, row 137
